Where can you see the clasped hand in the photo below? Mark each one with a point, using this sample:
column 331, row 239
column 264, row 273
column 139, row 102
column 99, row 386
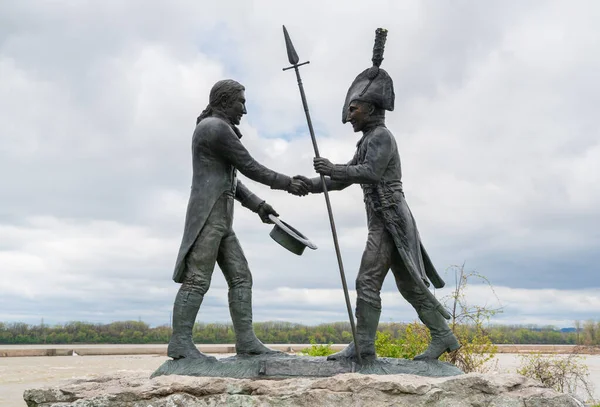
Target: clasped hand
column 264, row 210
column 323, row 166
column 299, row 186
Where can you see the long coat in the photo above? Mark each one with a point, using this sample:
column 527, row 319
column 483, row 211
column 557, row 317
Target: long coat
column 217, row 154
column 376, row 167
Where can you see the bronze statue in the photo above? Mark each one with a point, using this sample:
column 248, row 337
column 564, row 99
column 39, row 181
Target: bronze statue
column 393, row 240
column 217, row 155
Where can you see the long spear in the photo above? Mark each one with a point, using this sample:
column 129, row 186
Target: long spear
column 293, row 58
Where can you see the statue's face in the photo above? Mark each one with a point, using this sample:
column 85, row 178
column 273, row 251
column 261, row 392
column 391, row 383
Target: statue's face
column 358, row 114
column 236, row 108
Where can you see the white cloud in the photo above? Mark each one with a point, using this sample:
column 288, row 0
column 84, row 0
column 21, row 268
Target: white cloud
column 495, row 121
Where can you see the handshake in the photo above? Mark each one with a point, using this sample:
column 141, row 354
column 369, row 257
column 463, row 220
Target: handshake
column 299, row 186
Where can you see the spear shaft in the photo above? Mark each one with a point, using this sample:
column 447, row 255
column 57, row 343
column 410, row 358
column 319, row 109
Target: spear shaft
column 293, row 58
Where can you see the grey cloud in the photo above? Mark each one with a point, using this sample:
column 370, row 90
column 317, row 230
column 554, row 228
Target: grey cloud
column 495, row 122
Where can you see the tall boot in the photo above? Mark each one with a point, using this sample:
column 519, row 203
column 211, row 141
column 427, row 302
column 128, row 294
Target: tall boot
column 442, row 338
column 367, row 321
column 240, row 307
column 185, row 309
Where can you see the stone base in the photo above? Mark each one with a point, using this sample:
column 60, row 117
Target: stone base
column 287, row 366
column 131, row 389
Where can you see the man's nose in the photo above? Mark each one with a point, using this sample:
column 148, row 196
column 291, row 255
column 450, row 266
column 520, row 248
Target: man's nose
column 244, row 111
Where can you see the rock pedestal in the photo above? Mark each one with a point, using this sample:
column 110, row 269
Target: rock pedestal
column 135, row 389
column 288, row 366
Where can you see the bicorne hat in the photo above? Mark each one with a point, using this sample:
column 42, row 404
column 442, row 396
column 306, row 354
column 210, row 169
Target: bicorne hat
column 373, row 85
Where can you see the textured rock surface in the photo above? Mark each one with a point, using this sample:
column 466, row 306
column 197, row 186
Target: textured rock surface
column 286, row 366
column 134, row 389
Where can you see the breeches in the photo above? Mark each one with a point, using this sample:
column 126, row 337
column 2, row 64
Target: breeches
column 379, row 256
column 217, row 243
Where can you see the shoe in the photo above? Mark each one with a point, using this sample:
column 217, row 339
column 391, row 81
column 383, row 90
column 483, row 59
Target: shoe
column 442, row 338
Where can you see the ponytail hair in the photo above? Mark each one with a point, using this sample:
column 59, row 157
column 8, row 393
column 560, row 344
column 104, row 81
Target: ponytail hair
column 223, row 90
column 205, row 113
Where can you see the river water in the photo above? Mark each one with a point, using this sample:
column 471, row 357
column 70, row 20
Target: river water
column 20, row 373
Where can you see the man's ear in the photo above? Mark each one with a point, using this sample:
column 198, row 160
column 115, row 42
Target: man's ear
column 371, row 109
column 224, row 102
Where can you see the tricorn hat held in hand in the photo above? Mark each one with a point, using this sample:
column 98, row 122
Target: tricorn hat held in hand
column 373, row 85
column 289, row 237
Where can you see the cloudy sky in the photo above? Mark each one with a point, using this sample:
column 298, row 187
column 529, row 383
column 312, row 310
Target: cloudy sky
column 496, row 122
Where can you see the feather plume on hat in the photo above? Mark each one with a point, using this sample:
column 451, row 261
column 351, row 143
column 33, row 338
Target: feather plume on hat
column 373, row 85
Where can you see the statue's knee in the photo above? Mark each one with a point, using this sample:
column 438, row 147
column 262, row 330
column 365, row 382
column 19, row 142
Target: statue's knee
column 367, row 285
column 241, row 282
column 196, row 287
column 418, row 300
column 371, row 297
column 362, row 284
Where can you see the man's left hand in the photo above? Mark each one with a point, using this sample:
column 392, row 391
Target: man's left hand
column 264, row 210
column 323, row 166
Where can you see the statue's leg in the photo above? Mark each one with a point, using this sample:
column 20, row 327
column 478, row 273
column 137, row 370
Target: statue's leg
column 200, row 263
column 186, row 306
column 367, row 321
column 374, row 266
column 442, row 338
column 234, row 265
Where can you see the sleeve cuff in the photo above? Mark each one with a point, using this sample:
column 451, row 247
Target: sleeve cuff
column 315, row 185
column 252, row 202
column 340, row 172
column 280, row 182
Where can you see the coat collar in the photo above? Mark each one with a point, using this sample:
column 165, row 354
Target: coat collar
column 369, row 127
column 220, row 115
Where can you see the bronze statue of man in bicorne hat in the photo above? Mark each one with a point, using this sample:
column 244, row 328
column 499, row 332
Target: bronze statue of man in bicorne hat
column 217, row 155
column 393, row 240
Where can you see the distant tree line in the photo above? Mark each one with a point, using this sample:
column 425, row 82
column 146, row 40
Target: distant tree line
column 137, row 332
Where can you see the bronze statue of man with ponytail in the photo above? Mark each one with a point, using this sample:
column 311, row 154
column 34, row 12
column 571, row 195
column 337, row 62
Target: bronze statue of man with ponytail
column 208, row 238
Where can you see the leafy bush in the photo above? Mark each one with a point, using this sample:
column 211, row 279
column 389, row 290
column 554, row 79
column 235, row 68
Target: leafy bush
column 566, row 374
column 317, row 349
column 414, row 340
column 476, row 351
column 468, row 322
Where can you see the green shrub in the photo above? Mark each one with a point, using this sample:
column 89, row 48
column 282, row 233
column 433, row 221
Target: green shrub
column 566, row 374
column 317, row 349
column 468, row 323
column 414, row 340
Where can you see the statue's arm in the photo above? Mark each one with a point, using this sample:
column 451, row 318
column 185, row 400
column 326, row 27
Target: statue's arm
column 316, row 186
column 246, row 197
column 226, row 143
column 379, row 152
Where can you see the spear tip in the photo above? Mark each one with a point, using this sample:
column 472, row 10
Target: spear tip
column 292, row 55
